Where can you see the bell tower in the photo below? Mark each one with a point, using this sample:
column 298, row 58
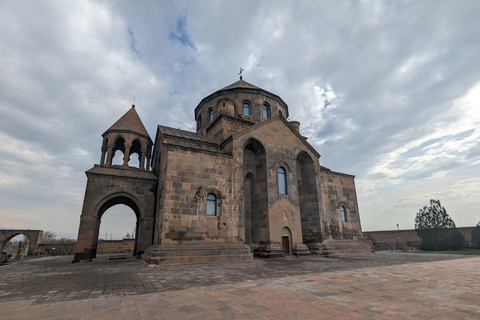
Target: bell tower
column 129, row 136
column 111, row 183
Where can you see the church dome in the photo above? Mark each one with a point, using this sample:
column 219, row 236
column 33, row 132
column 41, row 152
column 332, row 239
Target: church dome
column 240, row 100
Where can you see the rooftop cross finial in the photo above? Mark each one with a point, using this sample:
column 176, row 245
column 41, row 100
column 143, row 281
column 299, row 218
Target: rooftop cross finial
column 240, row 73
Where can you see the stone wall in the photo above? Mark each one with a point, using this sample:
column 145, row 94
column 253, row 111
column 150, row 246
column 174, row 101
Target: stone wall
column 190, row 175
column 383, row 240
column 48, row 249
column 224, row 126
column 116, row 246
column 338, row 190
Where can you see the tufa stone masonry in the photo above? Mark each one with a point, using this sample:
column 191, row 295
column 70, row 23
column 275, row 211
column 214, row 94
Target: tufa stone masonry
column 245, row 184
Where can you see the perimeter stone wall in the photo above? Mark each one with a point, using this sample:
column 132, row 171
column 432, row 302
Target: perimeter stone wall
column 116, row 246
column 383, row 240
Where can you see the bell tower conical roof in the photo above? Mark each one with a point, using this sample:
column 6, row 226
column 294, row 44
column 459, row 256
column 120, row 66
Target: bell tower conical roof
column 129, row 122
column 129, row 136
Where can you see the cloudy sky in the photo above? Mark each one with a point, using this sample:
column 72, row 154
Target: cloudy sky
column 386, row 90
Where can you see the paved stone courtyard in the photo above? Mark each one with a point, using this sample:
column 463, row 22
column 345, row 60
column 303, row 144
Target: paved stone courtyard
column 385, row 285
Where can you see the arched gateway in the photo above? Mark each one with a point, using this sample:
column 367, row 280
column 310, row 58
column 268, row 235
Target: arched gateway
column 245, row 183
column 33, row 236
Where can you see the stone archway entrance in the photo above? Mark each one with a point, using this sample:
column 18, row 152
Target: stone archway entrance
column 120, row 200
column 91, row 218
column 33, row 236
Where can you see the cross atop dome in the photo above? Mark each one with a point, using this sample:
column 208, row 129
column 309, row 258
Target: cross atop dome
column 240, row 73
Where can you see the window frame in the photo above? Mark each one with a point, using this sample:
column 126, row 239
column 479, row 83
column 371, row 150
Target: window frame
column 249, row 108
column 266, row 111
column 343, row 213
column 282, row 177
column 209, row 203
column 210, row 115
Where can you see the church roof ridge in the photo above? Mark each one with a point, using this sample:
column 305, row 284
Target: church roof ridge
column 130, row 121
column 185, row 134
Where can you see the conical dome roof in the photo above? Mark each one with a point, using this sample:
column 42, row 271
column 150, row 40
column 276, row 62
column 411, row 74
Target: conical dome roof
column 240, row 84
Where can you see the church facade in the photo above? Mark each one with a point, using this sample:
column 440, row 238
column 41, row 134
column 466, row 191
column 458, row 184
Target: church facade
column 245, row 184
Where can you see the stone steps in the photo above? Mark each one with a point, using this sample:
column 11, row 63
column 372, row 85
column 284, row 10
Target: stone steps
column 345, row 247
column 195, row 253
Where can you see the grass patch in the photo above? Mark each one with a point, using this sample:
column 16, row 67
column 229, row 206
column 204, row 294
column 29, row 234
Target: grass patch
column 462, row 252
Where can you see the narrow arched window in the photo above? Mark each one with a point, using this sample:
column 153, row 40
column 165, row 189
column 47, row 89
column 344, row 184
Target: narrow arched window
column 343, row 211
column 246, row 109
column 282, row 183
column 210, row 115
column 265, row 111
column 211, row 204
column 199, row 122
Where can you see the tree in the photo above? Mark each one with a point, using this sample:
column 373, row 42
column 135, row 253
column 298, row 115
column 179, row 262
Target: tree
column 436, row 229
column 457, row 239
column 476, row 235
column 67, row 245
column 48, row 237
column 433, row 217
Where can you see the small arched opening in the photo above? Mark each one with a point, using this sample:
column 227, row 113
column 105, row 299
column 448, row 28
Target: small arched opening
column 135, row 154
column 210, row 115
column 246, row 108
column 282, row 180
column 266, row 111
column 118, row 152
column 343, row 213
column 287, row 240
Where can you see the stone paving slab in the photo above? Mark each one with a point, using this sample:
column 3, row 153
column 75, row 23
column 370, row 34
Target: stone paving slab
column 380, row 286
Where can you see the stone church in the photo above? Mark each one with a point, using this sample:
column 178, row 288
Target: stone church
column 245, row 184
